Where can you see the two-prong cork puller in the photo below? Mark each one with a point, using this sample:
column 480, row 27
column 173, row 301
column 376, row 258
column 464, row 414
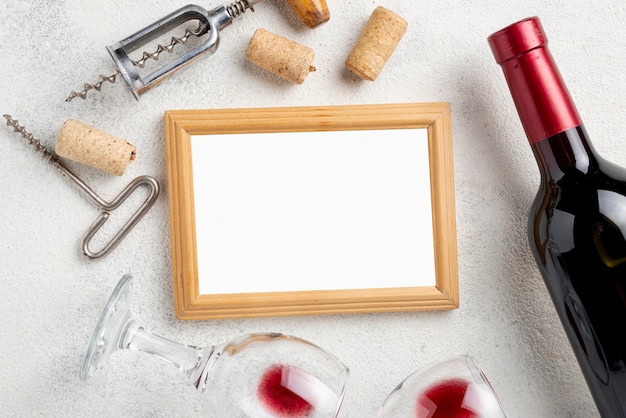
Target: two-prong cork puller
column 210, row 23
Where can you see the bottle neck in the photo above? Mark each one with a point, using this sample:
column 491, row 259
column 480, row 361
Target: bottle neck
column 566, row 152
column 541, row 97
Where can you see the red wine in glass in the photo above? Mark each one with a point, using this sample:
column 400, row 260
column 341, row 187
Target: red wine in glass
column 444, row 399
column 278, row 392
column 452, row 388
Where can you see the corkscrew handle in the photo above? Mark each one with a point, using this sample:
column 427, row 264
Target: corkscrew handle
column 107, row 207
column 153, row 192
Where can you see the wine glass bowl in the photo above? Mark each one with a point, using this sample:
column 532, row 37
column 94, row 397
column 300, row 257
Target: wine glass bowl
column 280, row 375
column 263, row 375
column 452, row 388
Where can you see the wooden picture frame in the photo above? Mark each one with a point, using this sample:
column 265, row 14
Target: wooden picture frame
column 183, row 127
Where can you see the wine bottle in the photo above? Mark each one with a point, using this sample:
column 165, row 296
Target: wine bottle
column 577, row 222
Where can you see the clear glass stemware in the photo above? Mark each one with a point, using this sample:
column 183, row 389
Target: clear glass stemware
column 265, row 375
column 452, row 388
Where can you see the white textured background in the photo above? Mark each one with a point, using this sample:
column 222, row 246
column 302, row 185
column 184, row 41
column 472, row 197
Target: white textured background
column 51, row 296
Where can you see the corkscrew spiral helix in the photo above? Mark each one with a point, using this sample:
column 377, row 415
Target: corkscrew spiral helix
column 141, row 63
column 210, row 22
column 96, row 86
column 13, row 123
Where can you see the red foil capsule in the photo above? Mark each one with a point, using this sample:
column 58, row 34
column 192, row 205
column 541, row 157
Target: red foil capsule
column 542, row 100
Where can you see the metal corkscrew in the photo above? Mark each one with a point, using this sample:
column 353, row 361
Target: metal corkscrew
column 150, row 182
column 210, row 24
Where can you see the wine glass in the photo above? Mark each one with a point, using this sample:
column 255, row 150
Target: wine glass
column 453, row 388
column 265, row 375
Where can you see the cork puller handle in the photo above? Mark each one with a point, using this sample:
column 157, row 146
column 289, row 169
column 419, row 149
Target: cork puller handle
column 153, row 192
column 148, row 181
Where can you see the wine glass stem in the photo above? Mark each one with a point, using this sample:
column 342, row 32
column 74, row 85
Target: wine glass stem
column 186, row 358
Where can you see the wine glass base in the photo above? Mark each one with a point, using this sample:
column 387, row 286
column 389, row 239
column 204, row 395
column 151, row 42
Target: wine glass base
column 109, row 332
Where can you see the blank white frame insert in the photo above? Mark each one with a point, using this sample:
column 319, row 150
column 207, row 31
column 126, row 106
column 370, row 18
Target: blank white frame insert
column 296, row 211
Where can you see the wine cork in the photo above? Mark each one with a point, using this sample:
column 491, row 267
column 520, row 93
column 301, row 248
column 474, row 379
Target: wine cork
column 312, row 12
column 90, row 146
column 376, row 43
column 285, row 58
